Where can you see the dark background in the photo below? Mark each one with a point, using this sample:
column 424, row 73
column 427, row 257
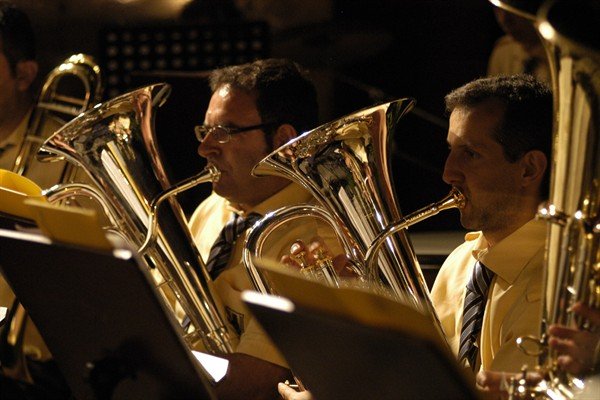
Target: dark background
column 361, row 54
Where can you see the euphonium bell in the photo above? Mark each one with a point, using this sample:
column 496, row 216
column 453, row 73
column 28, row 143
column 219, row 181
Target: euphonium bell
column 344, row 164
column 115, row 144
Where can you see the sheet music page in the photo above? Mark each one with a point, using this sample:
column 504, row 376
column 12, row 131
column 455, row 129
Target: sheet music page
column 215, row 366
column 3, row 312
column 359, row 304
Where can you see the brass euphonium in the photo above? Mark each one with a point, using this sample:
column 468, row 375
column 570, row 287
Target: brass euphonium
column 569, row 32
column 344, row 164
column 115, row 144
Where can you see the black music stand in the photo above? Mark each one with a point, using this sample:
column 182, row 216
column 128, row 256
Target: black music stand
column 103, row 320
column 340, row 352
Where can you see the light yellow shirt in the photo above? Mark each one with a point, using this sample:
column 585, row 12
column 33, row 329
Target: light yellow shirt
column 508, row 58
column 513, row 306
column 206, row 224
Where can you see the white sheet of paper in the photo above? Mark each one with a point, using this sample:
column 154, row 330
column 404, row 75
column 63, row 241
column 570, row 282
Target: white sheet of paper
column 215, row 366
column 3, row 312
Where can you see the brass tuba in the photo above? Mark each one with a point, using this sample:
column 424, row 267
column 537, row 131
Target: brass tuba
column 55, row 102
column 115, row 144
column 344, row 164
column 569, row 32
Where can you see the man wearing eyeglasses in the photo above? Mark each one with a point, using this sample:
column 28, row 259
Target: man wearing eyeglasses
column 254, row 109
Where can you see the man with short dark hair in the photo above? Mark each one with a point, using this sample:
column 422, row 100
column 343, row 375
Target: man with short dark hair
column 255, row 108
column 488, row 291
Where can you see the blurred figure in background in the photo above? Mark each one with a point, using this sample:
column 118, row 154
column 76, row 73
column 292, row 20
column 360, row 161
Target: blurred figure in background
column 519, row 50
column 28, row 362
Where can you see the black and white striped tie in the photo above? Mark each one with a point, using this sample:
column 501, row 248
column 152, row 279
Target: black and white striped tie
column 220, row 252
column 475, row 299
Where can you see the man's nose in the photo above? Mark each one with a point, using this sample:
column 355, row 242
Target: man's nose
column 451, row 173
column 208, row 147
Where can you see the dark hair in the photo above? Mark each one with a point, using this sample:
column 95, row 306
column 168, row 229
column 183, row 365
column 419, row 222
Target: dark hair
column 17, row 40
column 284, row 93
column 527, row 120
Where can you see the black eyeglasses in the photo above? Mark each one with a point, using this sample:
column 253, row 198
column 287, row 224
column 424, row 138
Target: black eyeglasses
column 222, row 134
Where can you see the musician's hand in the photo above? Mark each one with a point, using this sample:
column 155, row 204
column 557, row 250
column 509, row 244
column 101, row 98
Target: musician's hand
column 578, row 350
column 302, row 256
column 287, row 393
column 495, row 385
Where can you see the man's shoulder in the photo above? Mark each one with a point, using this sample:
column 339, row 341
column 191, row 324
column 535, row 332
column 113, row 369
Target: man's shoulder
column 292, row 194
column 506, row 41
column 506, row 57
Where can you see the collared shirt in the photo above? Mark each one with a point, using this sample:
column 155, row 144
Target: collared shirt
column 206, row 223
column 508, row 58
column 513, row 306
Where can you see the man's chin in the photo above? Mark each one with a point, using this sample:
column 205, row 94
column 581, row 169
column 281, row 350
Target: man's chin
column 222, row 190
column 217, row 187
column 470, row 223
column 467, row 221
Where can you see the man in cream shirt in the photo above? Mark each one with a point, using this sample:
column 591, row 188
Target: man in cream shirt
column 499, row 138
column 499, row 142
column 255, row 108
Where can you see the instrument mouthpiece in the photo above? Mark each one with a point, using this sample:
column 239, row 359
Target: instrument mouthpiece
column 458, row 197
column 214, row 172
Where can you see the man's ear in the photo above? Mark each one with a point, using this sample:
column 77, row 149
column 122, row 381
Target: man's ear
column 27, row 70
column 534, row 164
column 283, row 134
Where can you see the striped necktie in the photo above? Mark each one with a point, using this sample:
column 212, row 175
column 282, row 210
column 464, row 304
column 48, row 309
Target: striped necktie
column 220, row 252
column 475, row 298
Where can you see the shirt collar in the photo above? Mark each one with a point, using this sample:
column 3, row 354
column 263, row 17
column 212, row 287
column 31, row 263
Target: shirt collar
column 508, row 257
column 291, row 194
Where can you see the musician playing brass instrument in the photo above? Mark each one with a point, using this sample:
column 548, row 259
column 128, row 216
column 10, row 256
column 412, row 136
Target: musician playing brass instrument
column 255, row 108
column 18, row 71
column 499, row 142
column 519, row 50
